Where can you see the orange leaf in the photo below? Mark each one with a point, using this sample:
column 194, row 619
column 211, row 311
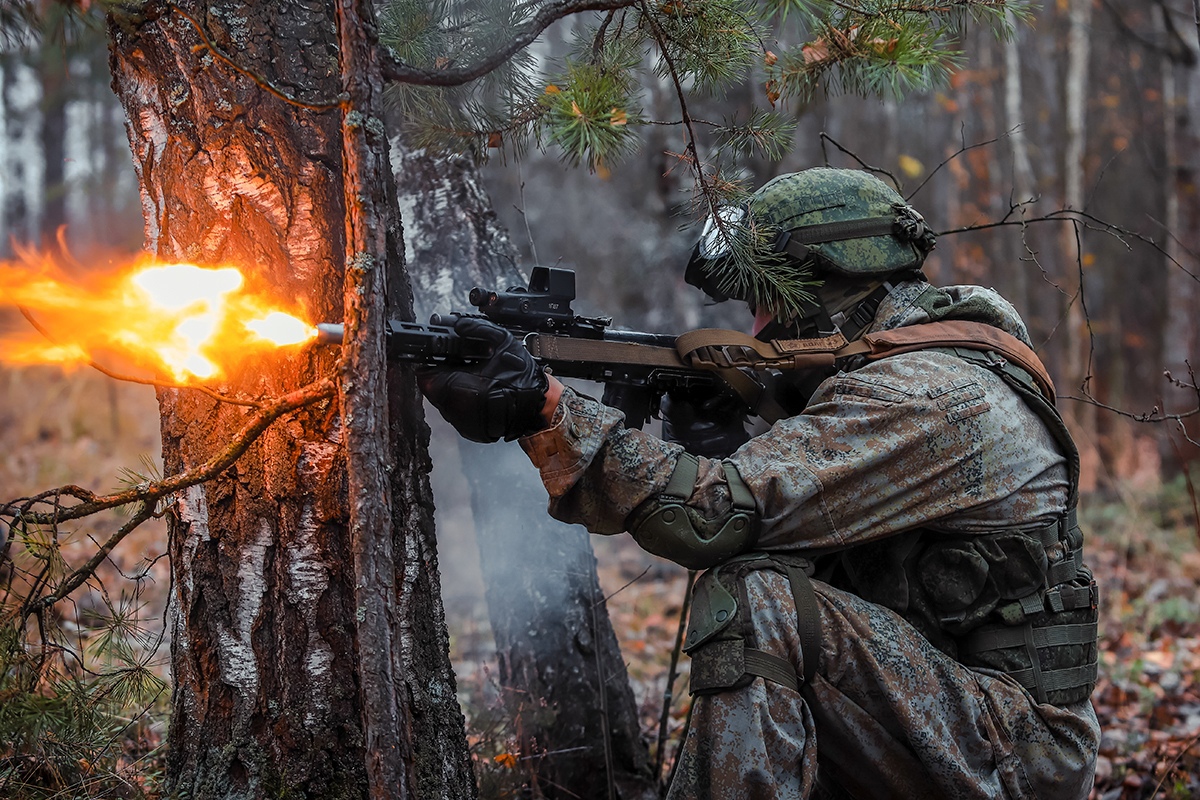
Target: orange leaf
column 506, row 760
column 617, row 117
column 772, row 87
column 575, row 108
column 552, row 89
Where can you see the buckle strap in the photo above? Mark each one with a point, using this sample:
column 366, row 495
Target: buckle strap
column 772, row 667
column 808, row 620
column 1057, row 680
column 1049, row 636
column 683, row 478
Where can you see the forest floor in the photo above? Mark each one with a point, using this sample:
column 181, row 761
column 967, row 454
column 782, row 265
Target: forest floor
column 1144, row 548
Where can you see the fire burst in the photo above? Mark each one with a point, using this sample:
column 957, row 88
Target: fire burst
column 180, row 320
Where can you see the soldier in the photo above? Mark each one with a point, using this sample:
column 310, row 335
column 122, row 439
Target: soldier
column 894, row 601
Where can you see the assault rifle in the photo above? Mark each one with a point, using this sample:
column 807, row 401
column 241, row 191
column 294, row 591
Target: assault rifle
column 636, row 368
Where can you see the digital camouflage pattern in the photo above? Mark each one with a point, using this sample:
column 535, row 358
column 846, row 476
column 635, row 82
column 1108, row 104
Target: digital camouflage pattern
column 920, row 440
column 821, row 195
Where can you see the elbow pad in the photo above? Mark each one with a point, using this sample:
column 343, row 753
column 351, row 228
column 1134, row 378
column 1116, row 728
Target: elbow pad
column 668, row 527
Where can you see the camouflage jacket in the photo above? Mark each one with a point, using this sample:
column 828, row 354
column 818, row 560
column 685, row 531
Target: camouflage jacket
column 919, row 440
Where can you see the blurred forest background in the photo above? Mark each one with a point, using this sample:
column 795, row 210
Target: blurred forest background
column 1110, row 293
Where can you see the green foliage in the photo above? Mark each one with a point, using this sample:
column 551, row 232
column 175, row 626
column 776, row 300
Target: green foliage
column 707, row 43
column 588, row 114
column 794, row 48
column 440, row 34
column 767, row 133
column 76, row 683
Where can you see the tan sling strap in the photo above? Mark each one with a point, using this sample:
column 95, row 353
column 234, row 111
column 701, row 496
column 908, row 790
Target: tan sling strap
column 954, row 333
column 729, row 351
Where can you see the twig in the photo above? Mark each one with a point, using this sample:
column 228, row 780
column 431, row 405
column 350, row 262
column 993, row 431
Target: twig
column 672, row 674
column 691, row 150
column 151, row 491
column 628, row 583
column 395, row 70
column 1196, row 738
column 610, row 773
column 825, row 137
column 961, row 149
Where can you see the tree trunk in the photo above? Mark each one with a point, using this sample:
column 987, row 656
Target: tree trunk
column 1079, row 356
column 561, row 670
column 1023, row 185
column 52, row 70
column 1180, row 332
column 280, row 578
column 18, row 144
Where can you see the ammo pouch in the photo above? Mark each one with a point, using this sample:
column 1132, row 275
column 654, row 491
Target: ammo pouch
column 1046, row 640
column 721, row 640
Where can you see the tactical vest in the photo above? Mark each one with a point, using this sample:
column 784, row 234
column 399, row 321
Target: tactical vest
column 1019, row 601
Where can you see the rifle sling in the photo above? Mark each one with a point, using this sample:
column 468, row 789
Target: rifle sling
column 717, row 349
column 731, row 354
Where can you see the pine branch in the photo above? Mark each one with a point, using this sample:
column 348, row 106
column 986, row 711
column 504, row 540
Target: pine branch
column 395, row 70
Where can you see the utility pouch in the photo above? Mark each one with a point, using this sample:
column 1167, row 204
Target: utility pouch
column 1046, row 642
column 724, row 653
column 716, row 646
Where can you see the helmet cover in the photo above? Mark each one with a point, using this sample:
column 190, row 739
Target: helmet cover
column 821, row 220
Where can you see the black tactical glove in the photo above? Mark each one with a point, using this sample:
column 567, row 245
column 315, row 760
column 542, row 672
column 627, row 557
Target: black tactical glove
column 500, row 397
column 711, row 425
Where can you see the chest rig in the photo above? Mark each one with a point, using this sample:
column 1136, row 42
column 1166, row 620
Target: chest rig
column 1019, row 601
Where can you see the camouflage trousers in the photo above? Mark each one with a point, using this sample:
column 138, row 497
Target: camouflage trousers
column 886, row 716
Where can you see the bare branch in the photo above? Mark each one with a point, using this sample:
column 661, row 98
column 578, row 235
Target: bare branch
column 825, row 137
column 152, row 491
column 396, row 70
column 77, row 578
column 962, row 148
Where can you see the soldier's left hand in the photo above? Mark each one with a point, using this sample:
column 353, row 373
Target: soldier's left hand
column 503, row 397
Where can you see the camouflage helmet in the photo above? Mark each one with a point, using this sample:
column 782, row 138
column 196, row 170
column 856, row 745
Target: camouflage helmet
column 854, row 223
column 810, row 225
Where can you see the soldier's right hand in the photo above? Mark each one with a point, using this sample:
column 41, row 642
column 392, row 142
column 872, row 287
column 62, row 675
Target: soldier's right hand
column 712, row 425
column 503, row 397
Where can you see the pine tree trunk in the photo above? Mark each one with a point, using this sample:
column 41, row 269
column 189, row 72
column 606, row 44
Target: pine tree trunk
column 1023, row 185
column 560, row 665
column 280, row 579
column 17, row 213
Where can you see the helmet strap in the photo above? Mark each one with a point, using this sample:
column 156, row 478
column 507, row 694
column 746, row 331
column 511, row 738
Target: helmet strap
column 852, row 324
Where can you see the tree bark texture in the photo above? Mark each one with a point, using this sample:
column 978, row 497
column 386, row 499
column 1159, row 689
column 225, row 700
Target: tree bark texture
column 1180, row 331
column 53, row 74
column 236, row 130
column 1078, row 361
column 363, row 398
column 561, row 671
